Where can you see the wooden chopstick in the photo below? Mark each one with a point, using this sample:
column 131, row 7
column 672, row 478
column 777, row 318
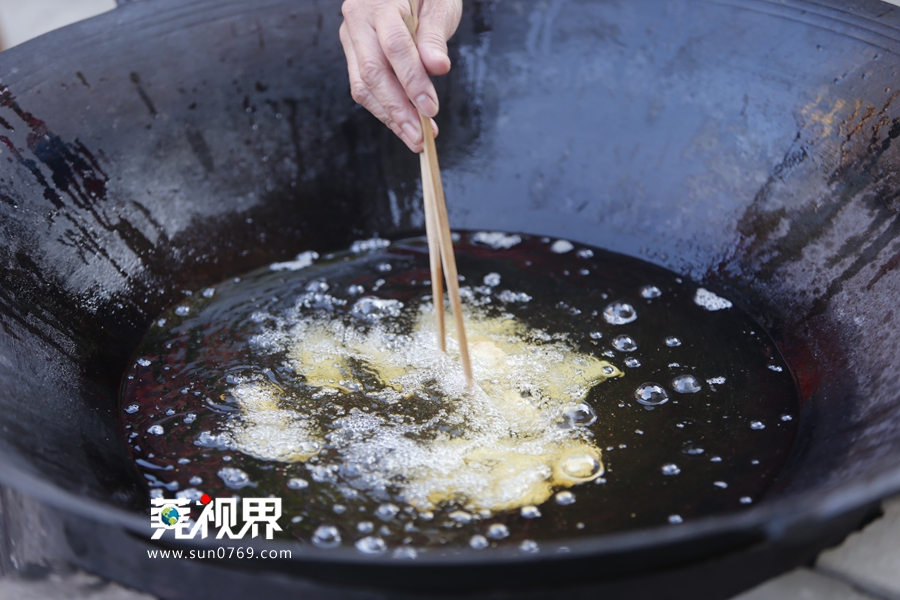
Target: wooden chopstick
column 436, row 207
column 445, row 241
column 434, row 252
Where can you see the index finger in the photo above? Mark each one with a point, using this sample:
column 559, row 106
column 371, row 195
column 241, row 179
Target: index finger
column 401, row 52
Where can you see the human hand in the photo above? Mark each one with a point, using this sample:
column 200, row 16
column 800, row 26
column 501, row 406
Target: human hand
column 387, row 71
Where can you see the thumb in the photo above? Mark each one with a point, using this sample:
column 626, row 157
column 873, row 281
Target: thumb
column 437, row 23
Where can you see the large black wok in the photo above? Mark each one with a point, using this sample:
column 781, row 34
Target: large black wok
column 168, row 144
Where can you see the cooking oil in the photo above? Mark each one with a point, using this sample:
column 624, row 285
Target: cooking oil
column 611, row 394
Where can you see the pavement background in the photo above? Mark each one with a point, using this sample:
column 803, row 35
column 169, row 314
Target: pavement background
column 865, row 567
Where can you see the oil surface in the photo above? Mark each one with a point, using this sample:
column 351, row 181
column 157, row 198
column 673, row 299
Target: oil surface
column 611, row 395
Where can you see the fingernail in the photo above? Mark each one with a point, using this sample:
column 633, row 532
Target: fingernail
column 412, row 133
column 426, row 105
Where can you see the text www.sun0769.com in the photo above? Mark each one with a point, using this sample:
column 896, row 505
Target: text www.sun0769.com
column 222, row 552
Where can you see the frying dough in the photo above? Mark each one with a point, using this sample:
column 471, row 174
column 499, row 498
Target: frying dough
column 398, row 416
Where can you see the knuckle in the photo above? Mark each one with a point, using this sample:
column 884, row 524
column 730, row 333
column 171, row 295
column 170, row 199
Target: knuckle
column 396, row 104
column 395, row 112
column 411, row 80
column 348, row 9
column 397, row 43
column 359, row 92
column 371, row 71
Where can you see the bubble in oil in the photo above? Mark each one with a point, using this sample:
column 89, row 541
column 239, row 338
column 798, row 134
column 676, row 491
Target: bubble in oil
column 492, row 279
column 370, row 308
column 234, row 478
column 155, row 430
column 326, row 536
column 672, row 341
column 530, row 512
column 144, row 362
column 496, row 239
column 675, row 519
column 757, row 425
column 670, row 469
column 692, row 450
column 365, row 527
column 478, row 542
column 182, row 311
column 371, row 545
column 581, row 467
column 195, row 480
column 651, row 394
column 650, row 291
column 710, row 301
column 317, row 287
column 405, row 552
column 513, row 297
column 632, row 362
column 297, row 483
column 529, row 546
column 498, row 531
column 387, row 511
column 370, row 245
column 132, row 408
column 579, row 415
column 561, row 246
column 624, row 343
column 461, row 517
column 585, row 253
column 685, row 384
column 565, row 497
column 191, row 494
column 619, row 313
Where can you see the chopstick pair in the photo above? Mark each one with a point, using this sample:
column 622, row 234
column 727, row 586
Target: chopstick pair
column 437, row 229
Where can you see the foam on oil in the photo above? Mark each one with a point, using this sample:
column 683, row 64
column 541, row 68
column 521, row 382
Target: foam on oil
column 510, row 442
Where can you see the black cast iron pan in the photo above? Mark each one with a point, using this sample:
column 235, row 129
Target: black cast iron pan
column 169, row 144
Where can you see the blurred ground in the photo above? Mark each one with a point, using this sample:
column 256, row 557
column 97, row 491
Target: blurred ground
column 21, row 20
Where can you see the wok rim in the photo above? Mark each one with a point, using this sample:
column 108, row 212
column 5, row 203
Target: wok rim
column 774, row 520
column 777, row 520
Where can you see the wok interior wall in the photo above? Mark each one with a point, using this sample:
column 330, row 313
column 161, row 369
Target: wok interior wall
column 167, row 145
